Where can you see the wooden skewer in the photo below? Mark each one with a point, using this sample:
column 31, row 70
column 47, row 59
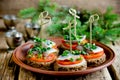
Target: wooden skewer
column 69, row 27
column 73, row 12
column 70, row 37
column 92, row 19
column 43, row 15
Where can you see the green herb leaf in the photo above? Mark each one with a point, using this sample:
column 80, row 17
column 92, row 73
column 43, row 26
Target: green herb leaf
column 27, row 13
column 48, row 48
column 90, row 46
column 79, row 58
column 71, row 59
column 65, row 53
column 83, row 52
column 76, row 52
column 39, row 55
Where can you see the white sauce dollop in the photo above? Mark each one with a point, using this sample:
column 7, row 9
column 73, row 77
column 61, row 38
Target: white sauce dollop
column 68, row 57
column 98, row 49
column 48, row 43
column 52, row 50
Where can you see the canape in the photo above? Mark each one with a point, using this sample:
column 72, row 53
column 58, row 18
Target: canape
column 42, row 53
column 75, row 41
column 93, row 54
column 68, row 61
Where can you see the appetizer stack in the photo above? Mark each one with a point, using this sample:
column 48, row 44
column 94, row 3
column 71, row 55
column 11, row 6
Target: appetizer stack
column 42, row 53
column 68, row 61
column 93, row 54
column 77, row 53
column 82, row 56
column 75, row 41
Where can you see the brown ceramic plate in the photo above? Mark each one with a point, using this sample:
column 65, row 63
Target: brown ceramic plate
column 20, row 52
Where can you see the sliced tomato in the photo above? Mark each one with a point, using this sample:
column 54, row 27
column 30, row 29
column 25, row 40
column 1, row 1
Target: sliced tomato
column 94, row 55
column 67, row 45
column 49, row 58
column 68, row 62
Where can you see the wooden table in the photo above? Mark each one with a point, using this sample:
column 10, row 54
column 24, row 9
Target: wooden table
column 10, row 71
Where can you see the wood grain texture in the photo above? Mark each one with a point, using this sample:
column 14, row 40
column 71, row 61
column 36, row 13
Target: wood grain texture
column 2, row 63
column 26, row 75
column 116, row 65
column 3, row 55
column 98, row 75
column 10, row 67
column 88, row 4
column 13, row 6
column 7, row 66
column 118, row 6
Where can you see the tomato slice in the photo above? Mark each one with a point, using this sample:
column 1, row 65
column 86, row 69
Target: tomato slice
column 94, row 55
column 49, row 58
column 67, row 45
column 68, row 62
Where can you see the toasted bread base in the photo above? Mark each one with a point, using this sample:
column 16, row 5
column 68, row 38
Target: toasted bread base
column 41, row 65
column 96, row 61
column 75, row 67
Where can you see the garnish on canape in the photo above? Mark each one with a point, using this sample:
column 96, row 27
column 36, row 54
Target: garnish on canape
column 42, row 53
column 76, row 40
column 68, row 61
column 93, row 54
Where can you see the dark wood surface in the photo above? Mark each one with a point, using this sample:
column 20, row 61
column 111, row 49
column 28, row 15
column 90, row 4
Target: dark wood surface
column 10, row 71
column 13, row 6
